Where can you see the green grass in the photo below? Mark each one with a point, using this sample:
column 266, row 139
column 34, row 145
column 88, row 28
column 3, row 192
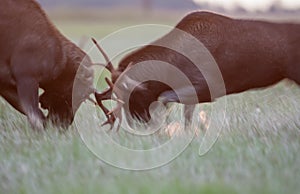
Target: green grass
column 257, row 152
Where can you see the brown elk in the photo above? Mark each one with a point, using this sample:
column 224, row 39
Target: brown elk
column 33, row 55
column 249, row 55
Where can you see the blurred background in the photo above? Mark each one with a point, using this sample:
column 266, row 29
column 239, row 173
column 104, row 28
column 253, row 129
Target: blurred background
column 78, row 17
column 220, row 5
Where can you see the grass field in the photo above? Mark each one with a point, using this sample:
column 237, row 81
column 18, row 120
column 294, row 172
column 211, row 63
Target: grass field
column 257, row 152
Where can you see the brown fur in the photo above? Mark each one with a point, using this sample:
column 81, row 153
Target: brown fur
column 249, row 54
column 33, row 55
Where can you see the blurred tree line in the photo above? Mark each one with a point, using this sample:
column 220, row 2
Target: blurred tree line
column 144, row 4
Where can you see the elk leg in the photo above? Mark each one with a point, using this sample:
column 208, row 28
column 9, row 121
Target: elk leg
column 187, row 97
column 188, row 115
column 29, row 100
column 171, row 96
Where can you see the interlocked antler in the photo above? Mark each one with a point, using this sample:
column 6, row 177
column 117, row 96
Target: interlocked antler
column 107, row 94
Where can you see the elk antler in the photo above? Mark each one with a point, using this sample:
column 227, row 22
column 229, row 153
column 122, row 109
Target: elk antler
column 107, row 94
column 110, row 115
column 109, row 65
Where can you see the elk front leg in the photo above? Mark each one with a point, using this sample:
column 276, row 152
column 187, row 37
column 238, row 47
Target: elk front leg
column 188, row 96
column 29, row 100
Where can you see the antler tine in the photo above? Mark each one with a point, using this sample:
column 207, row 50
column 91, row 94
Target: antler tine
column 111, row 115
column 116, row 113
column 91, row 100
column 109, row 66
column 111, row 85
column 117, row 109
column 110, row 119
column 107, row 94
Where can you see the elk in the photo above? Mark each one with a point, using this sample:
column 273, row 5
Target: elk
column 33, row 55
column 249, row 54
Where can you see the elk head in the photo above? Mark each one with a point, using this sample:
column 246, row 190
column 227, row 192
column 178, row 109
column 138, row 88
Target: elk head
column 120, row 85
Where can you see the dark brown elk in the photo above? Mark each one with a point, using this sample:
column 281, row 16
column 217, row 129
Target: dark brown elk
column 249, row 54
column 33, row 55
